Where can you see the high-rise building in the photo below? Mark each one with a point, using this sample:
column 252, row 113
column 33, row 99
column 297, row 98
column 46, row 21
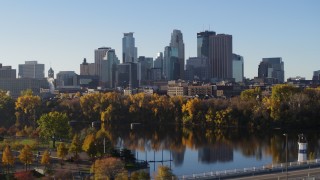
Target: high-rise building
column 316, row 75
column 237, row 68
column 197, row 69
column 6, row 72
column 203, row 43
column 126, row 75
column 67, row 79
column 15, row 86
column 109, row 65
column 144, row 69
column 272, row 68
column 177, row 42
column 87, row 69
column 31, row 69
column 105, row 66
column 156, row 74
column 220, row 57
column 99, row 55
column 158, row 62
column 171, row 65
column 129, row 51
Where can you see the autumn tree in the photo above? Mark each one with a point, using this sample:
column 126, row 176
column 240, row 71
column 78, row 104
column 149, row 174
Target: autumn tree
column 7, row 158
column 71, row 107
column 140, row 175
column 176, row 107
column 280, row 98
column 102, row 142
column 161, row 107
column 54, row 124
column 62, row 151
column 45, row 160
column 111, row 106
column 91, row 106
column 194, row 111
column 107, row 168
column 26, row 156
column 251, row 94
column 75, row 146
column 164, row 172
column 89, row 145
column 28, row 108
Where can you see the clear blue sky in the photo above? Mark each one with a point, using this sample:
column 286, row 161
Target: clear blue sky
column 63, row 32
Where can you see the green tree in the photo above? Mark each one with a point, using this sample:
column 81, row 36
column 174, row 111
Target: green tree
column 75, row 146
column 164, row 173
column 54, row 124
column 26, row 156
column 7, row 158
column 7, row 109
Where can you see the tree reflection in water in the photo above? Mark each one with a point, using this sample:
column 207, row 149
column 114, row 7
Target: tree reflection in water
column 212, row 145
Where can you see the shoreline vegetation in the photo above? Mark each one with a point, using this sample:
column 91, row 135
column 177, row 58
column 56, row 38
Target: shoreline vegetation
column 67, row 119
column 286, row 107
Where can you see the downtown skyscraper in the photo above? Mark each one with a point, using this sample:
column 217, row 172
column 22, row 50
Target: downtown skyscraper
column 220, row 57
column 272, row 69
column 203, row 43
column 105, row 65
column 173, row 58
column 177, row 43
column 129, row 51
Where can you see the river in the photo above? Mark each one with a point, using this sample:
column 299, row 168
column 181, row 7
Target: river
column 196, row 150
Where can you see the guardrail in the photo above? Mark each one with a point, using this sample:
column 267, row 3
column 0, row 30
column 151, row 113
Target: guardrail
column 251, row 171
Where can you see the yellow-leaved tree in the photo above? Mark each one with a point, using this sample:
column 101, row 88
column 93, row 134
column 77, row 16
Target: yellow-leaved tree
column 26, row 156
column 45, row 160
column 7, row 158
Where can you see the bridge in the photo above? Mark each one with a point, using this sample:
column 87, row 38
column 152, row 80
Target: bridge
column 255, row 171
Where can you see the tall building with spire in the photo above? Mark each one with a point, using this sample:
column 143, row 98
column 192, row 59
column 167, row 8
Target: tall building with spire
column 129, row 51
column 51, row 73
column 177, row 43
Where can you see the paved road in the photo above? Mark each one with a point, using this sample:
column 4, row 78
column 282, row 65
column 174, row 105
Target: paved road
column 306, row 174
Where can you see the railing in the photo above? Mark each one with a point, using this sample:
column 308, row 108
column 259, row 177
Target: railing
column 253, row 170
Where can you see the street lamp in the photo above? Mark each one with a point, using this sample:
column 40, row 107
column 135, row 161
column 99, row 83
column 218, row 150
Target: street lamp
column 286, row 135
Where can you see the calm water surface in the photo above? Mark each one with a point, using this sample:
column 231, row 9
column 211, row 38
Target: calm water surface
column 197, row 150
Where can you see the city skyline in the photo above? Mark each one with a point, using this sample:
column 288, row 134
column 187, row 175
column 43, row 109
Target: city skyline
column 60, row 34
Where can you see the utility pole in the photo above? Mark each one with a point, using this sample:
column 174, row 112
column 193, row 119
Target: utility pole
column 104, row 145
column 286, row 135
